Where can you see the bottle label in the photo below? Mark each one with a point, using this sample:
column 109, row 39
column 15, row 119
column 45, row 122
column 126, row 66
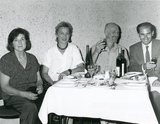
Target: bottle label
column 122, row 69
column 118, row 71
column 107, row 75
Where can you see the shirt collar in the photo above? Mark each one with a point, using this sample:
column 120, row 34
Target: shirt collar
column 149, row 45
column 115, row 46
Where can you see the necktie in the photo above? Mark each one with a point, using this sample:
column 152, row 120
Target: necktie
column 147, row 55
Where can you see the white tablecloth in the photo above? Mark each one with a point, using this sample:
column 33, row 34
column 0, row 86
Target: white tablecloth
column 125, row 103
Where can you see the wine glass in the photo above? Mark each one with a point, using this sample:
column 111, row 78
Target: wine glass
column 112, row 77
column 91, row 70
column 97, row 69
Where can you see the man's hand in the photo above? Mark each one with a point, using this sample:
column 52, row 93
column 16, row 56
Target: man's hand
column 100, row 45
column 156, row 83
column 150, row 65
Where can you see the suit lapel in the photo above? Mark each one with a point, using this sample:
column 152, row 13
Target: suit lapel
column 140, row 53
column 154, row 50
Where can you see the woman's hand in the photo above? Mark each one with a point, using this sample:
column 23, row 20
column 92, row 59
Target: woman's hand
column 29, row 95
column 63, row 74
column 39, row 89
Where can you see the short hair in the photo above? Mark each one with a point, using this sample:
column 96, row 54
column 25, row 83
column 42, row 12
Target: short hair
column 67, row 25
column 146, row 25
column 112, row 23
column 14, row 33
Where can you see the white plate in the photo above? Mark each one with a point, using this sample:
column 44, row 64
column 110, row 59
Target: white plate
column 69, row 77
column 135, row 76
column 135, row 84
column 66, row 83
column 133, row 73
column 80, row 73
column 126, row 81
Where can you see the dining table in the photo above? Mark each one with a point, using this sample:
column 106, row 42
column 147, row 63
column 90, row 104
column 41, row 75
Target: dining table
column 125, row 101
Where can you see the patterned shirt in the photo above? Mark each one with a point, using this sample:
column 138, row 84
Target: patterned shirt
column 20, row 78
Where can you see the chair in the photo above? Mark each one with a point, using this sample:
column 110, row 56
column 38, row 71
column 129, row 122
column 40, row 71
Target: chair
column 7, row 113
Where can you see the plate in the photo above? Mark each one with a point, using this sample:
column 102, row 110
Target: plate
column 99, row 77
column 127, row 81
column 134, row 76
column 70, row 77
column 135, row 84
column 83, row 82
column 66, row 83
column 133, row 73
column 80, row 73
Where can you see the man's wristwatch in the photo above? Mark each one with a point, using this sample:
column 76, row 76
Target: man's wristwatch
column 70, row 71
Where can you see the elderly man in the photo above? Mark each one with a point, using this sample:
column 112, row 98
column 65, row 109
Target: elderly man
column 105, row 52
column 141, row 59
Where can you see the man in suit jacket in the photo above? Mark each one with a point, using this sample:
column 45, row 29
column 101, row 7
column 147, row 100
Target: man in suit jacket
column 139, row 62
column 138, row 51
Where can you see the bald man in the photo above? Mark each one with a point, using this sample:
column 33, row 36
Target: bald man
column 105, row 52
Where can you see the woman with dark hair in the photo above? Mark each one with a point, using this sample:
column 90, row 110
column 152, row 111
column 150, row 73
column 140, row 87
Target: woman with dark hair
column 20, row 80
column 64, row 58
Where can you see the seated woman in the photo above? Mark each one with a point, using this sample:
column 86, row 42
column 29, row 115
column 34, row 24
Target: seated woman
column 64, row 58
column 19, row 75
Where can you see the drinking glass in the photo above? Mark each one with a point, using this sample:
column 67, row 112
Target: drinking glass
column 155, row 61
column 91, row 70
column 105, row 44
column 97, row 69
column 112, row 77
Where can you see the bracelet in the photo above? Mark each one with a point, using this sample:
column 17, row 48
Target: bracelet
column 70, row 71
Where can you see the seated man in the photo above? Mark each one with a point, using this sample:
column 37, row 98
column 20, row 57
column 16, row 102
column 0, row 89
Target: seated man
column 105, row 52
column 143, row 52
column 141, row 55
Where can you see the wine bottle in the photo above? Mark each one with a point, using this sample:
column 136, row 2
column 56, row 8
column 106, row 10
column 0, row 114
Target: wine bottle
column 88, row 61
column 121, row 63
